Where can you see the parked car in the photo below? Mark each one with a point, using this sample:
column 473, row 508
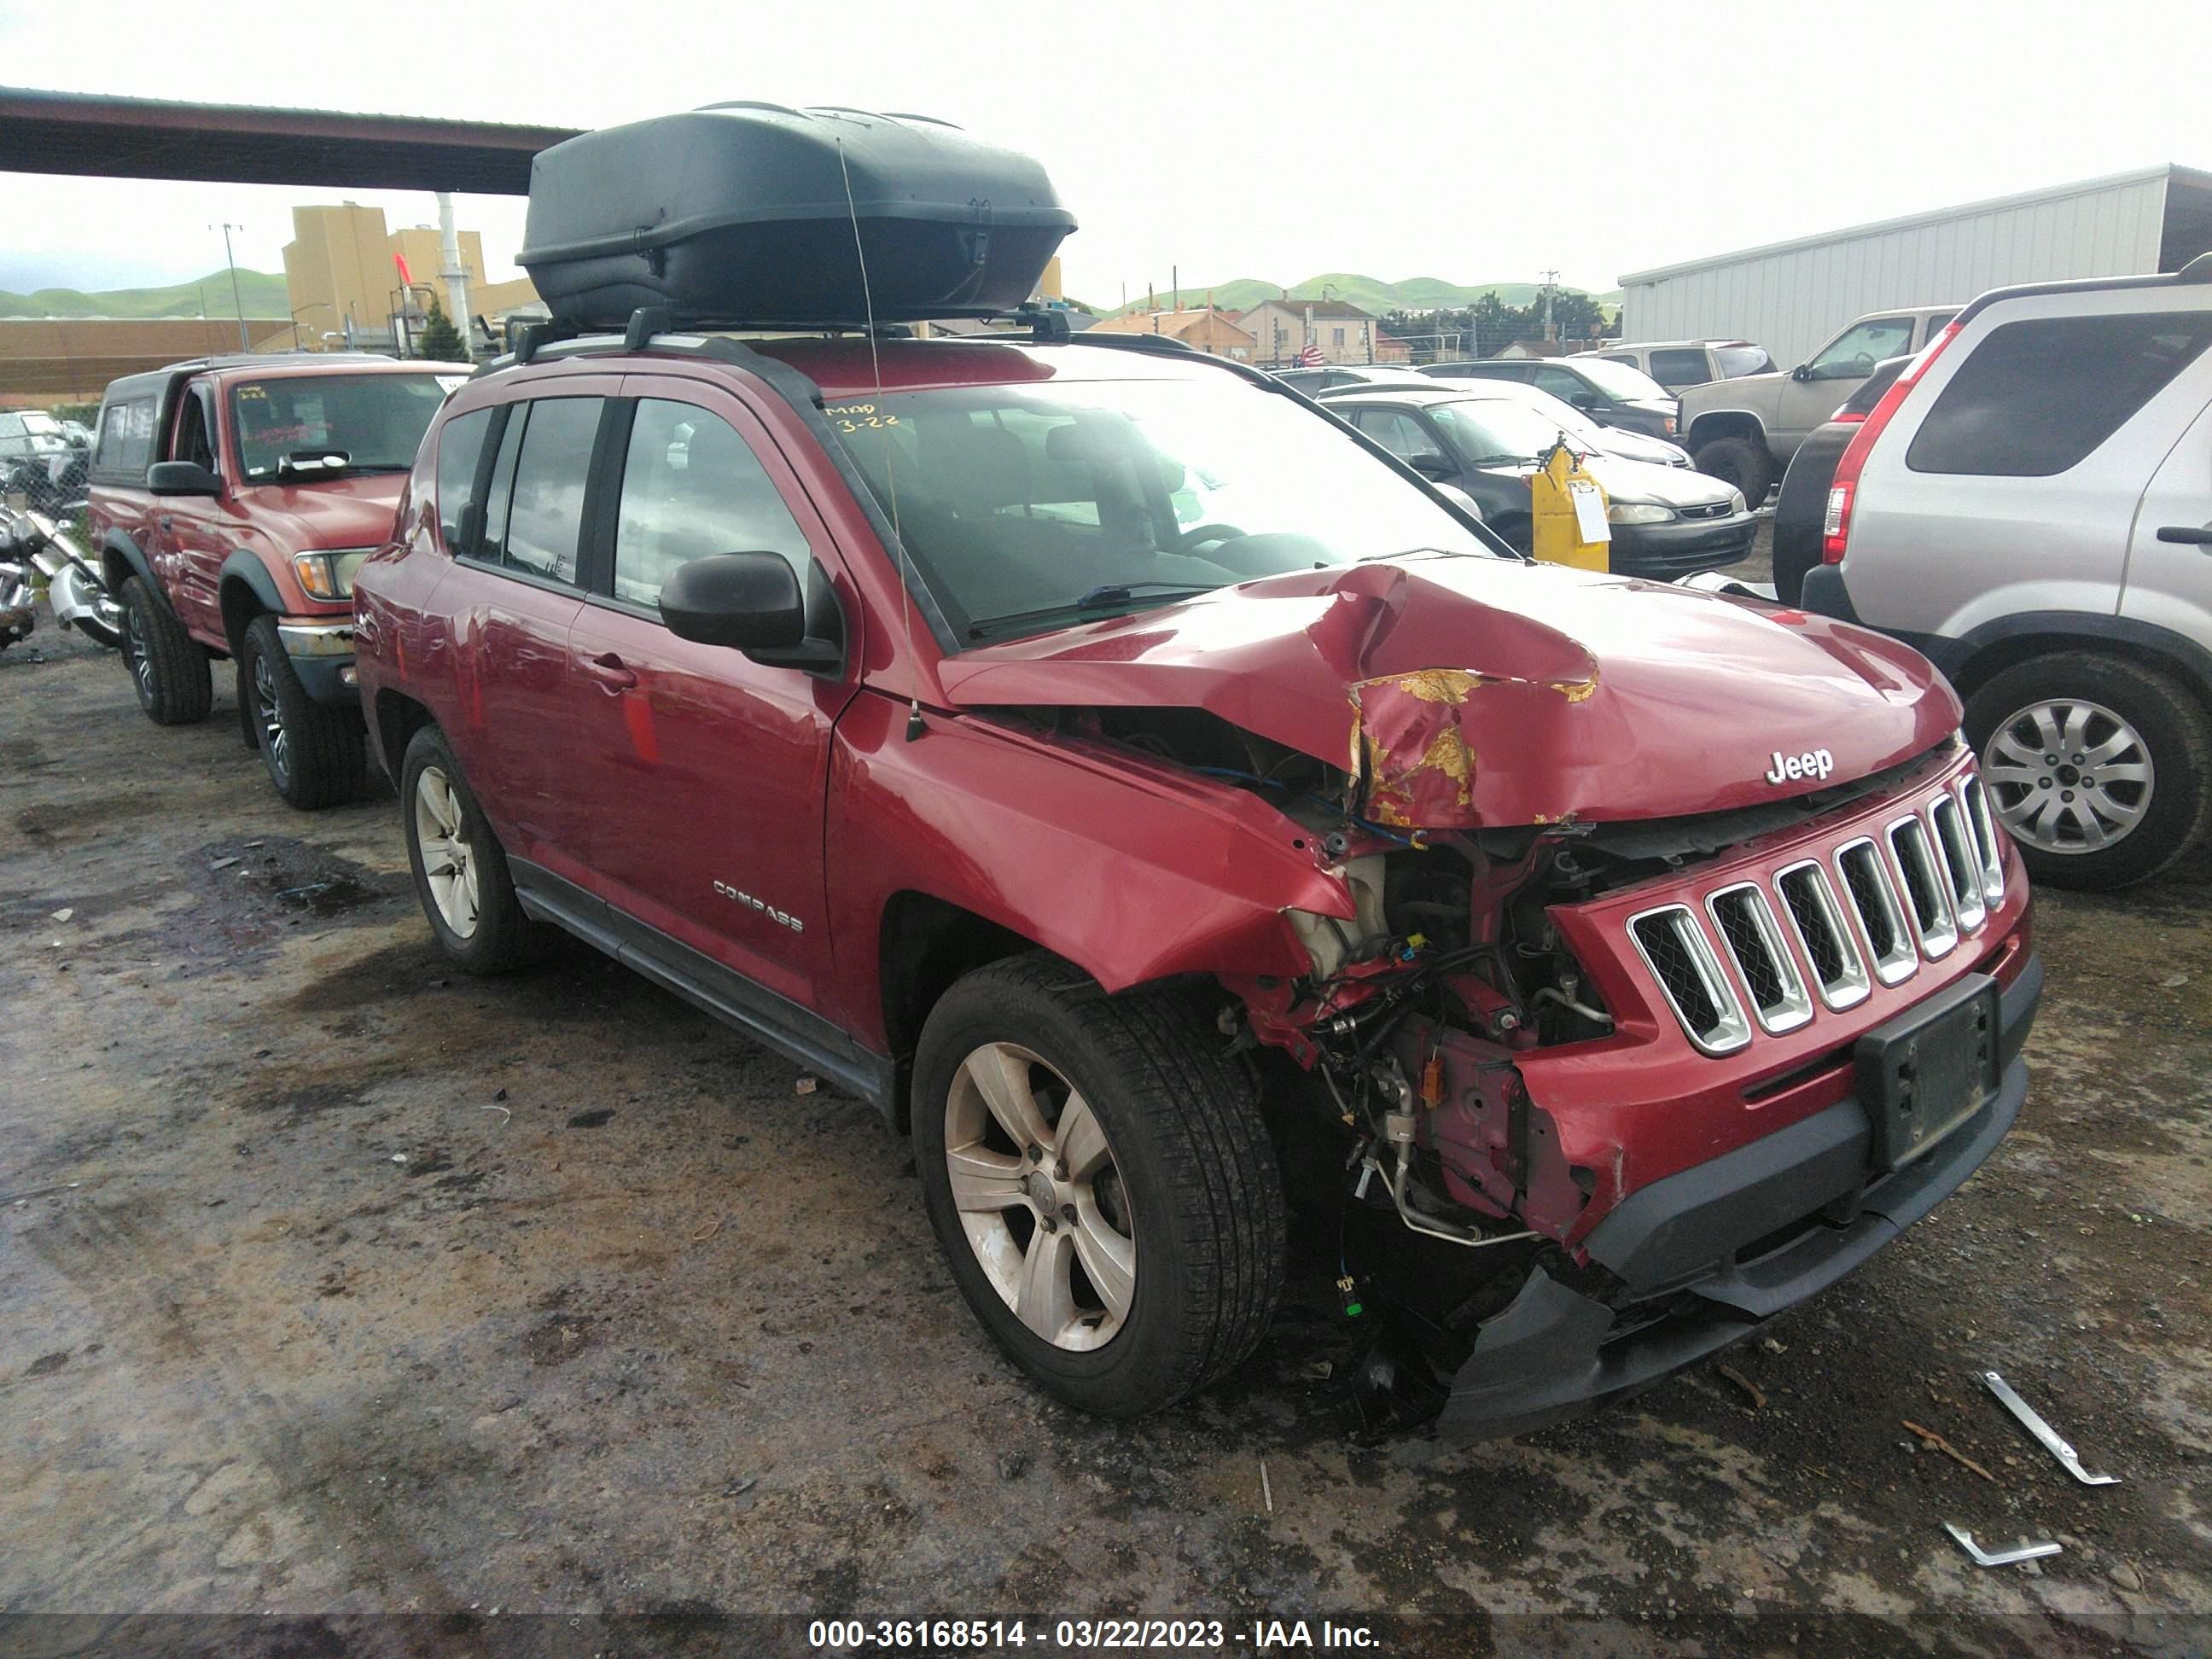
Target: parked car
column 1315, row 381
column 1590, row 437
column 38, row 462
column 1116, row 770
column 1745, row 429
column 2030, row 504
column 1612, row 394
column 1801, row 508
column 1678, row 365
column 1665, row 521
column 232, row 499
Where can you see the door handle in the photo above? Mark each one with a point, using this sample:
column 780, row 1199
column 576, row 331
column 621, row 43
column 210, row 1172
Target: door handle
column 2197, row 534
column 610, row 672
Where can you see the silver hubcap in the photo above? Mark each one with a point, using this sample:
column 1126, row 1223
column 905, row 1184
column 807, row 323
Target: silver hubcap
column 2068, row 776
column 1040, row 1196
column 449, row 863
column 279, row 745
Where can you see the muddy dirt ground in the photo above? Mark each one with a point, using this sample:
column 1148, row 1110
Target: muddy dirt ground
column 331, row 1281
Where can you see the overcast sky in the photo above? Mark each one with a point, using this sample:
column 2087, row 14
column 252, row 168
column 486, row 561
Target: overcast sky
column 1475, row 143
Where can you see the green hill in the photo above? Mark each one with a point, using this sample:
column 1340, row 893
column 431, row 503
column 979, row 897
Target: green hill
column 1415, row 294
column 262, row 292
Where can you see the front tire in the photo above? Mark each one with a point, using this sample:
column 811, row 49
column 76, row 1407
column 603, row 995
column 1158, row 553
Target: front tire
column 2099, row 769
column 460, row 871
column 1100, row 1181
column 317, row 756
column 169, row 667
column 1743, row 462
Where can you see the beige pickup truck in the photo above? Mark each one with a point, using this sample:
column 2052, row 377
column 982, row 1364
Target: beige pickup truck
column 1745, row 430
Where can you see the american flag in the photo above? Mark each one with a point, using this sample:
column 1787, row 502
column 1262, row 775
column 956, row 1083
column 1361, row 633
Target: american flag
column 1311, row 357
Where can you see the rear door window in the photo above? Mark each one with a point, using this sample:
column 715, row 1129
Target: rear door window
column 546, row 519
column 2038, row 396
column 1681, row 367
column 460, row 456
column 692, row 486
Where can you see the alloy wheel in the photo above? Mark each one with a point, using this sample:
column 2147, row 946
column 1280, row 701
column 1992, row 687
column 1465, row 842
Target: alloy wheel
column 134, row 647
column 1041, row 1197
column 449, row 862
column 2068, row 775
column 275, row 739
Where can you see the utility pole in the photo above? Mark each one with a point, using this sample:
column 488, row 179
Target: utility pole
column 237, row 303
column 1551, row 282
column 451, row 272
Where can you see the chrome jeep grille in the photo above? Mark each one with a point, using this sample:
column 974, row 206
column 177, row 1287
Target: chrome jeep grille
column 1869, row 912
column 1675, row 948
column 1755, row 944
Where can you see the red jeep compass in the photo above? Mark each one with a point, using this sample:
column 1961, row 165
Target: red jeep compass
column 1160, row 803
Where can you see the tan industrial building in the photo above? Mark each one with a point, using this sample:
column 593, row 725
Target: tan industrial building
column 344, row 268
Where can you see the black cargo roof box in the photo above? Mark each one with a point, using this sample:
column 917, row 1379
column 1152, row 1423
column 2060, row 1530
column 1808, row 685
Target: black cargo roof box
column 745, row 212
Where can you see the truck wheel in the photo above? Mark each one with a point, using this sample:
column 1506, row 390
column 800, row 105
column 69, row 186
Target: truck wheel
column 169, row 667
column 460, row 872
column 1743, row 462
column 2099, row 769
column 1100, row 1181
column 317, row 756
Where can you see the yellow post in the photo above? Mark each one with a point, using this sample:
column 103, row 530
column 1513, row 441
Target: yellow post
column 1566, row 510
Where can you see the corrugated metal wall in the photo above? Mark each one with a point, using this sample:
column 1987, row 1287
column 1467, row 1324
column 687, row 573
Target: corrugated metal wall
column 1793, row 302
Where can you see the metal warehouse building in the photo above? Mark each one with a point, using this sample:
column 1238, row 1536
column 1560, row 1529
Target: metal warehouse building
column 1792, row 297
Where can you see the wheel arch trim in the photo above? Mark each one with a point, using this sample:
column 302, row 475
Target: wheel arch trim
column 1981, row 653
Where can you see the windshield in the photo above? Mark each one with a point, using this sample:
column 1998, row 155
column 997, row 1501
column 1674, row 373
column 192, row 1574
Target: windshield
column 1092, row 497
column 375, row 421
column 1494, row 431
column 1621, row 379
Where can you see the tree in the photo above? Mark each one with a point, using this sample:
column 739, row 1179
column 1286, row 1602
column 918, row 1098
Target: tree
column 439, row 339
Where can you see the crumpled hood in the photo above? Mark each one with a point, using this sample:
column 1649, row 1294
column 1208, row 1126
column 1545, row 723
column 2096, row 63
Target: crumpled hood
column 1468, row 691
column 335, row 513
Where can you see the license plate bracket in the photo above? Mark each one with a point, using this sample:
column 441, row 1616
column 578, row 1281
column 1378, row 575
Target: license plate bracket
column 1930, row 1069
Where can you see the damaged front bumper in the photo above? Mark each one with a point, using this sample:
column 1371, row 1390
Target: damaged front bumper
column 1679, row 1249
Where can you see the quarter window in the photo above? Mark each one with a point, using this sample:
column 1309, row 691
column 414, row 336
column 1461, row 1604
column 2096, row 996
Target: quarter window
column 460, row 453
column 692, row 486
column 2036, row 397
column 547, row 517
column 126, row 437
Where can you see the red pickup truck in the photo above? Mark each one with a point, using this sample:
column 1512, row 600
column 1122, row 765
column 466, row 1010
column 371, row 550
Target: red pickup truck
column 230, row 501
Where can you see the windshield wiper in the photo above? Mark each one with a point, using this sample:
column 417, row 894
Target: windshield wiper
column 1102, row 598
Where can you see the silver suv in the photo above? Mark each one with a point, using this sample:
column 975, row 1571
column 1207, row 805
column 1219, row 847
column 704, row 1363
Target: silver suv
column 2031, row 505
column 1744, row 430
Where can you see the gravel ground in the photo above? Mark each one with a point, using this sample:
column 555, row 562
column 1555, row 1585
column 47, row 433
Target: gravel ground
column 333, row 1282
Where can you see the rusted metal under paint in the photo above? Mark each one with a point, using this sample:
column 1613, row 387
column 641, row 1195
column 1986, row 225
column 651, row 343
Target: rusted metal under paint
column 1413, row 747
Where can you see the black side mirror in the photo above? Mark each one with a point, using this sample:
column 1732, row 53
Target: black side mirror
column 1802, row 372
column 182, row 478
column 747, row 601
column 1433, row 464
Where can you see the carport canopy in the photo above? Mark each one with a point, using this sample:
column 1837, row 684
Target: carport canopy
column 97, row 136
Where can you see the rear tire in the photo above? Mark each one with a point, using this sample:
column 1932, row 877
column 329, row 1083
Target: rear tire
column 2146, row 784
column 1743, row 462
column 169, row 667
column 460, row 870
column 317, row 756
column 1168, row 1177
